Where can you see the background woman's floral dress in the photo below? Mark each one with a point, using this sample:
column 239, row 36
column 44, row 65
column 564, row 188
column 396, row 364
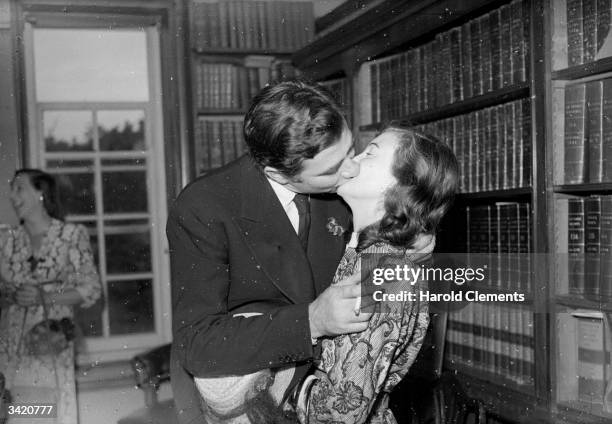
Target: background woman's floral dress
column 357, row 371
column 65, row 256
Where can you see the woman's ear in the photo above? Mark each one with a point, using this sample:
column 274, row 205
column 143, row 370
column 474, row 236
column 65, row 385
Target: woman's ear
column 275, row 175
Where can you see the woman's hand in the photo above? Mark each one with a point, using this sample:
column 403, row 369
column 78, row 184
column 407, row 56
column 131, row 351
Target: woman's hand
column 28, row 295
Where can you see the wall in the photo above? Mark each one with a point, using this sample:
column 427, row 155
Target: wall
column 9, row 138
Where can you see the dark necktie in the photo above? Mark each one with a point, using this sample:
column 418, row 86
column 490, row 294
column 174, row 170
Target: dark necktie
column 303, row 207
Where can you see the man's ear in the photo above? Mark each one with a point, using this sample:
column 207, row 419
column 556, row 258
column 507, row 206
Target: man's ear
column 275, row 175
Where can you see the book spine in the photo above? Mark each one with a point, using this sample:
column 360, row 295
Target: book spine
column 460, row 151
column 530, row 346
column 518, row 144
column 412, row 80
column 514, row 328
column 526, row 40
column 215, row 28
column 524, row 248
column 592, row 212
column 216, row 149
column 603, row 18
column 513, row 246
column 575, row 116
column 496, row 59
column 589, row 30
column 466, row 61
column 504, row 244
column 606, row 130
column 495, row 248
column 456, row 65
column 476, row 57
column 594, row 102
column 485, row 53
column 575, row 32
column 498, row 344
column 474, row 154
column 445, row 69
column 592, row 360
column 575, row 245
column 494, row 137
column 510, row 139
column 374, row 86
column 527, row 142
column 605, row 283
column 506, row 45
column 483, row 157
column 240, row 144
column 517, row 41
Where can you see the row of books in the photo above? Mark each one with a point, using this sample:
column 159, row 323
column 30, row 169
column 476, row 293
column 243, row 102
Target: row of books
column 276, row 26
column 483, row 55
column 217, row 142
column 588, row 30
column 342, row 92
column 231, row 86
column 585, row 230
column 492, row 145
column 500, row 236
column 494, row 338
column 588, row 132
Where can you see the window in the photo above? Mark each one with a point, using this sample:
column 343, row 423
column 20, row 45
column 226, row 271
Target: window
column 95, row 122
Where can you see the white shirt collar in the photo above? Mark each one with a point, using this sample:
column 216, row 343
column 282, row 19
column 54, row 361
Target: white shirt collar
column 285, row 196
column 354, row 241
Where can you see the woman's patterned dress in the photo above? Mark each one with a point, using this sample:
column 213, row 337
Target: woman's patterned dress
column 65, row 256
column 357, row 371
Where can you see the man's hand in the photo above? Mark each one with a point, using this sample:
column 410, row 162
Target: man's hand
column 424, row 244
column 337, row 310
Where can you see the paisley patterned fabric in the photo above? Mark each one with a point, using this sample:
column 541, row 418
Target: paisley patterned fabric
column 65, row 259
column 357, row 371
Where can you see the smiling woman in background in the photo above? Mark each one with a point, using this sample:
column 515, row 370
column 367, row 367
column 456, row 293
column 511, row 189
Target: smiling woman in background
column 46, row 267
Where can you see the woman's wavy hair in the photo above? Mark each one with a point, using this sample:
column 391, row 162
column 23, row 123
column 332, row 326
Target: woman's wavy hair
column 427, row 175
column 47, row 185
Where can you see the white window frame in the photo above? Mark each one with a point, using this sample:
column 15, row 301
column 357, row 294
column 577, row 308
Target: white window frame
column 113, row 348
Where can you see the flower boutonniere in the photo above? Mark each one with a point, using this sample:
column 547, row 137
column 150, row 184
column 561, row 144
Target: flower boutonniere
column 334, row 227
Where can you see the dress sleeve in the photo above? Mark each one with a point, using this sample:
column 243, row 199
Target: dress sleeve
column 84, row 277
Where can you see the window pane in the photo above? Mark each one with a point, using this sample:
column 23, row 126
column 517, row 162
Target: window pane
column 130, row 306
column 90, row 65
column 128, row 246
column 77, row 192
column 124, row 191
column 89, row 320
column 121, row 130
column 67, row 131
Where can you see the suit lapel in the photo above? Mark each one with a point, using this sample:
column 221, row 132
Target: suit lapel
column 268, row 233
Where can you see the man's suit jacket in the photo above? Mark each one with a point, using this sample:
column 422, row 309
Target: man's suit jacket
column 233, row 249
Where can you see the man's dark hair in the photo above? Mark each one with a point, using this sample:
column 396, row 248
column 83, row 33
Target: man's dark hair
column 292, row 121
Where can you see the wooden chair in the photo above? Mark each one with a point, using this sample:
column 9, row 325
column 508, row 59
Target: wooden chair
column 151, row 369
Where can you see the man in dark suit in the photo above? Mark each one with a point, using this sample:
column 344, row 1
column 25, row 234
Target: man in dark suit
column 243, row 240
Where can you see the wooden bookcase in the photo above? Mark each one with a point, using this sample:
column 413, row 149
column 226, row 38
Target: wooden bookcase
column 385, row 36
column 235, row 48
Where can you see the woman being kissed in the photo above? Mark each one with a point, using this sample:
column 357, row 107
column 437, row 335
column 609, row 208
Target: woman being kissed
column 406, row 184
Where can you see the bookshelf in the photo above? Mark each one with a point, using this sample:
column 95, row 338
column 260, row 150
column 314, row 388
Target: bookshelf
column 526, row 75
column 235, row 48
